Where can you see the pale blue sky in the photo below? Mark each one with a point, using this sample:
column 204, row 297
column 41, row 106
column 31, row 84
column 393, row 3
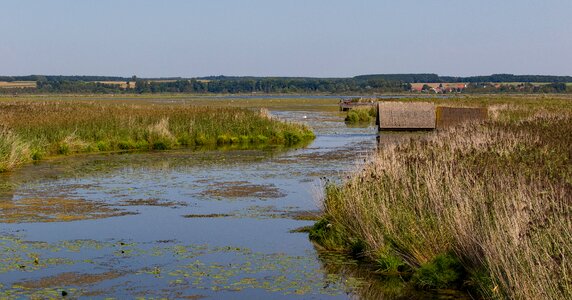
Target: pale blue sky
column 328, row 38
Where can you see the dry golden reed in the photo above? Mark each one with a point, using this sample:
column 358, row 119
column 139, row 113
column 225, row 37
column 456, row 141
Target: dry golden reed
column 497, row 195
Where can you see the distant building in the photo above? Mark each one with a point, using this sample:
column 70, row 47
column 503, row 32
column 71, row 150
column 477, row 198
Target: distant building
column 439, row 87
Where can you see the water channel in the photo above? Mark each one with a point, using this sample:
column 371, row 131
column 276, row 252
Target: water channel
column 189, row 223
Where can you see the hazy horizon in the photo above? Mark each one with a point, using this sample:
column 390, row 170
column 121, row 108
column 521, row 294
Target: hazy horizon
column 270, row 76
column 292, row 39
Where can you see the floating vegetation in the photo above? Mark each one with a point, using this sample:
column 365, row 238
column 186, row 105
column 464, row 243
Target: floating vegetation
column 152, row 202
column 235, row 269
column 69, row 279
column 46, row 210
column 245, row 270
column 55, row 210
column 264, row 212
column 304, row 215
column 242, row 189
column 26, row 256
column 303, row 229
column 190, row 216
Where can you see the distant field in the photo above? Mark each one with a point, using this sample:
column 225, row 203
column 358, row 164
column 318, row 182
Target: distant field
column 18, row 84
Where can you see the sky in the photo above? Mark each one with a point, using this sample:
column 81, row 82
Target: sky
column 317, row 38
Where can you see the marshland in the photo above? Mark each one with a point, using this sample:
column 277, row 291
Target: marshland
column 174, row 196
column 192, row 220
column 32, row 130
column 285, row 149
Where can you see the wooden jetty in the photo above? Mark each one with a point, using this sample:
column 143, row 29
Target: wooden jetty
column 351, row 103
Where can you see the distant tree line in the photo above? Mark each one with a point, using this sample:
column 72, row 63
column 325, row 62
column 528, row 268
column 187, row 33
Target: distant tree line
column 496, row 78
column 558, row 87
column 65, row 86
column 271, row 85
column 365, row 84
column 411, row 78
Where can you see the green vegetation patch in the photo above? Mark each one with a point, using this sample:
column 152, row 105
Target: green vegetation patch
column 361, row 115
column 33, row 130
column 444, row 271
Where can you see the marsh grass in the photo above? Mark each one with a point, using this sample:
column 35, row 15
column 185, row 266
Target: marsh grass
column 32, row 130
column 496, row 197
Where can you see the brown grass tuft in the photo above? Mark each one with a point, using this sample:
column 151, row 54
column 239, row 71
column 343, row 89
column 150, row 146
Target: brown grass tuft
column 13, row 151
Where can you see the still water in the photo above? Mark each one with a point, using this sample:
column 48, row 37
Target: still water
column 189, row 223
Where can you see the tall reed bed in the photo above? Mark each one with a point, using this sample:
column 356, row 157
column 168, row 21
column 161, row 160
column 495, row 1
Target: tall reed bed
column 485, row 207
column 34, row 129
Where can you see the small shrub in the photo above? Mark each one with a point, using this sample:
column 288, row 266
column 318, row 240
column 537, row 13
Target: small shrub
column 352, row 117
column 259, row 139
column 445, row 271
column 292, row 138
column 64, row 149
column 126, row 145
column 142, row 144
column 328, row 235
column 103, row 146
column 201, row 140
column 185, row 140
column 243, row 139
column 160, row 145
column 223, row 140
column 357, row 247
column 389, row 263
column 37, row 154
column 360, row 115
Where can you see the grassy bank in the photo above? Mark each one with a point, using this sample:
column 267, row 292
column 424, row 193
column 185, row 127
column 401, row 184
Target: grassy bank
column 484, row 207
column 32, row 130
